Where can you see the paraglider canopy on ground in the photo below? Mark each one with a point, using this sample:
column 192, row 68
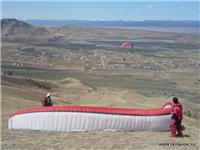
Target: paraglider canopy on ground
column 85, row 118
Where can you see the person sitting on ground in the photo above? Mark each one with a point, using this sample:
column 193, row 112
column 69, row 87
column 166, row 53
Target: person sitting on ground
column 46, row 101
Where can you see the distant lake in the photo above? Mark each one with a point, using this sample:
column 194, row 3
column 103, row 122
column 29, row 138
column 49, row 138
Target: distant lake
column 115, row 43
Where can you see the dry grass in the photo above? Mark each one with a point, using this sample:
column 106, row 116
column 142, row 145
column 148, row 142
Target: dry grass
column 19, row 97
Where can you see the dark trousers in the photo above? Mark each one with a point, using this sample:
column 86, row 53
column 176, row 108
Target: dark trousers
column 178, row 127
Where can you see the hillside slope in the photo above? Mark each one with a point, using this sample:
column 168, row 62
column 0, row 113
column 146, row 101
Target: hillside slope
column 12, row 29
column 19, row 93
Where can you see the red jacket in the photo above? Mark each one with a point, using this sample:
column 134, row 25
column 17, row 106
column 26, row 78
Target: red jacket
column 177, row 110
column 43, row 99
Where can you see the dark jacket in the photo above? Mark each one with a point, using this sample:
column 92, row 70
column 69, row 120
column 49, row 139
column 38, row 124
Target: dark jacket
column 46, row 101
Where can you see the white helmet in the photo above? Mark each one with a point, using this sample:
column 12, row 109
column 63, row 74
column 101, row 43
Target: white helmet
column 48, row 94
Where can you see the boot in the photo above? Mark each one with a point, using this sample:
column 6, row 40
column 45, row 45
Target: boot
column 180, row 133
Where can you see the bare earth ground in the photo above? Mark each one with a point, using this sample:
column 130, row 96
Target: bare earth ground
column 19, row 94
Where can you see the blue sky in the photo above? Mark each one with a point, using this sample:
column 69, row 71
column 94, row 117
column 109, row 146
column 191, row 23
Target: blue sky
column 128, row 10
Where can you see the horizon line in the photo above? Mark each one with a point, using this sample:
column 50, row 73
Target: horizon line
column 94, row 19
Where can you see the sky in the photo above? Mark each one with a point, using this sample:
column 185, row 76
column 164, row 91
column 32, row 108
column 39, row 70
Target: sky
column 101, row 10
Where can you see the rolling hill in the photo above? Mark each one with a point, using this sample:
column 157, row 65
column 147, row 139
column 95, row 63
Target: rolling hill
column 12, row 29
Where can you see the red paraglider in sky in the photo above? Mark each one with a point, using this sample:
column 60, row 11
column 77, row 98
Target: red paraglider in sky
column 127, row 45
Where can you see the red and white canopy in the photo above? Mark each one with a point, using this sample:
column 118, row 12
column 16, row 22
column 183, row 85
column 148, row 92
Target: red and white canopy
column 84, row 118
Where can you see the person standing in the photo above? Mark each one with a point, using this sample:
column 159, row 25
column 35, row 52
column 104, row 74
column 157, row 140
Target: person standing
column 176, row 118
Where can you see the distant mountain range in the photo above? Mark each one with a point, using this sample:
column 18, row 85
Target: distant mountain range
column 20, row 31
column 120, row 23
